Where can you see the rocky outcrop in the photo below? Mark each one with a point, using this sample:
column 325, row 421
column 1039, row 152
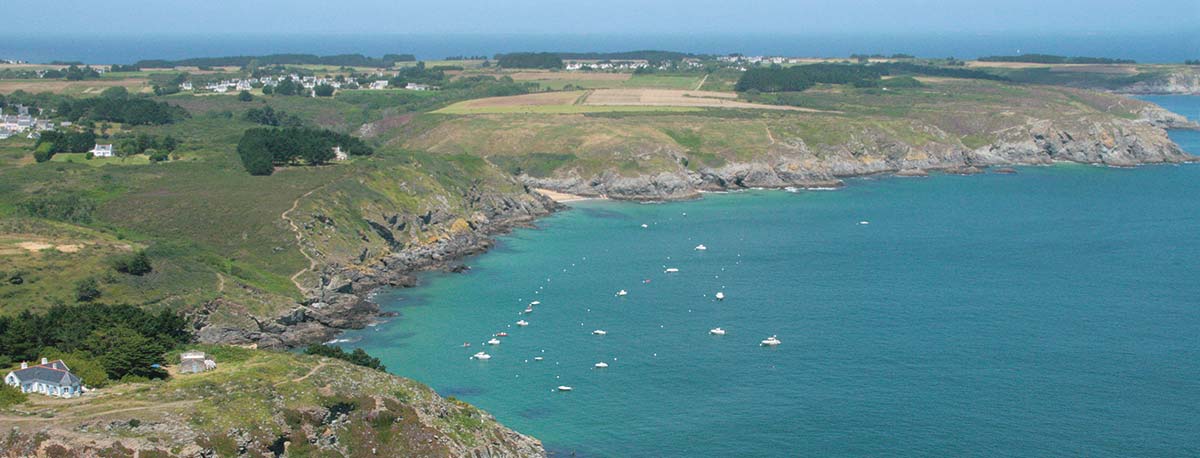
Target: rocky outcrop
column 1179, row 82
column 1113, row 142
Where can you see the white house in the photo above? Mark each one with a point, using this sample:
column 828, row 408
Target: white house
column 419, row 87
column 381, row 84
column 5, row 133
column 51, row 378
column 185, row 86
column 339, row 155
column 102, row 150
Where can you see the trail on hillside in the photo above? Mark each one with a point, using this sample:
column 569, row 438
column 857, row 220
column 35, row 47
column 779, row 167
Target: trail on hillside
column 312, row 263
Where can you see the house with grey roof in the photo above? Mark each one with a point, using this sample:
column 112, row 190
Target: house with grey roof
column 51, row 378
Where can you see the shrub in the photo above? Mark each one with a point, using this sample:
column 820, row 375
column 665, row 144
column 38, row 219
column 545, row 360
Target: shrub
column 87, row 290
column 11, row 396
column 134, row 264
column 245, row 96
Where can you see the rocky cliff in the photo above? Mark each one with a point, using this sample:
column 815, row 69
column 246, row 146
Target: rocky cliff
column 1185, row 81
column 790, row 162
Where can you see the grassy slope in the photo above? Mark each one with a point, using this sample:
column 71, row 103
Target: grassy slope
column 211, row 229
column 254, row 398
column 972, row 113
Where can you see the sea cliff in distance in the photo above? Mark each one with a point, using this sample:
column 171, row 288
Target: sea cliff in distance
column 255, row 203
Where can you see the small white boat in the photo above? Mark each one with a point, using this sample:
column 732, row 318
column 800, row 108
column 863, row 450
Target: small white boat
column 528, row 309
column 522, row 323
column 720, row 296
column 716, row 331
column 622, row 293
column 501, row 334
column 599, row 332
column 564, row 388
column 701, row 247
column 481, row 356
column 771, row 341
column 538, row 358
column 671, row 270
column 601, row 365
column 494, row 341
column 645, row 226
column 535, row 303
column 863, row 223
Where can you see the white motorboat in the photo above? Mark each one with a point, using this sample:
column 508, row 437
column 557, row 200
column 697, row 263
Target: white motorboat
column 535, row 303
column 522, row 323
column 482, row 356
column 645, row 226
column 528, row 309
column 720, row 296
column 494, row 341
column 701, row 247
column 771, row 341
column 564, row 388
column 622, row 293
column 716, row 331
column 599, row 332
column 671, row 270
column 538, row 358
column 863, row 223
column 601, row 365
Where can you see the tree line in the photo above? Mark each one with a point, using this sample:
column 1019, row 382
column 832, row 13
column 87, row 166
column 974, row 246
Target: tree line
column 801, row 77
column 261, row 149
column 1053, row 59
column 128, row 110
column 347, row 60
column 121, row 340
column 545, row 60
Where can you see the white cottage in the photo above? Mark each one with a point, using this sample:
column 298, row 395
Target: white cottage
column 51, row 378
column 102, row 150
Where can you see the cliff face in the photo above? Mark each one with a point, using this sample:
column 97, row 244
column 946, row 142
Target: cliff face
column 1178, row 82
column 790, row 162
column 377, row 229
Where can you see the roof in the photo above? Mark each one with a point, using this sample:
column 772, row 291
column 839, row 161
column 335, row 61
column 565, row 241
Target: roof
column 54, row 372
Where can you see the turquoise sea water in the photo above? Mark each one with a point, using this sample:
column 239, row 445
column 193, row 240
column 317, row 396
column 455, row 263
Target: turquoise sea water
column 1051, row 312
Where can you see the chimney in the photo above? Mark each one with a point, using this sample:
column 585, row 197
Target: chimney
column 45, row 361
column 24, row 365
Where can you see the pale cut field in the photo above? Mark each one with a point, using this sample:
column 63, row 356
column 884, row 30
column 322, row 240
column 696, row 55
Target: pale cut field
column 599, row 100
column 88, row 87
column 675, row 98
column 1128, row 69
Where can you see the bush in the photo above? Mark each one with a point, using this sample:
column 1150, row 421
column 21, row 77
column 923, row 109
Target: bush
column 245, row 96
column 87, row 290
column 61, row 207
column 157, row 156
column 11, row 396
column 134, row 264
column 323, row 90
column 358, row 356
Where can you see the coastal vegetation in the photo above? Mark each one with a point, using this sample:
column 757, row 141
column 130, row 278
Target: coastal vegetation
column 1052, row 59
column 347, row 60
column 530, row 60
column 262, row 149
column 174, row 225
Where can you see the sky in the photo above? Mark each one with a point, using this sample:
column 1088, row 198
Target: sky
column 276, row 17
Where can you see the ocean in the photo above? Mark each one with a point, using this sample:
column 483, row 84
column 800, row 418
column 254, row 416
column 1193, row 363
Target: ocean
column 1051, row 312
column 1160, row 46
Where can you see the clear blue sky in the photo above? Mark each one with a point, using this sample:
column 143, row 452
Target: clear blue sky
column 132, row 17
